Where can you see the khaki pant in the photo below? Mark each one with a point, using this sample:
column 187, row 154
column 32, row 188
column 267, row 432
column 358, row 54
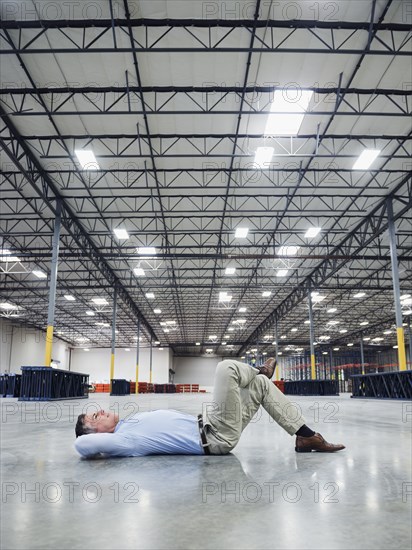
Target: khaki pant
column 238, row 394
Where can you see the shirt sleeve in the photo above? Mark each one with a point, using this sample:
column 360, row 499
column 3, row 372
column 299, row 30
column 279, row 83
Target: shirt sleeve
column 109, row 444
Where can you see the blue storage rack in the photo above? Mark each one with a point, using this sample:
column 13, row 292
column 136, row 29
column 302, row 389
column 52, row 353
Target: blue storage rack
column 49, row 384
column 312, row 387
column 10, row 384
column 120, row 386
column 383, row 385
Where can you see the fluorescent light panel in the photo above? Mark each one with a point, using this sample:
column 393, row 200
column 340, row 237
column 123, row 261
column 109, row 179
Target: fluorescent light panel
column 230, row 271
column 224, row 297
column 288, row 250
column 147, row 250
column 150, row 295
column 241, row 232
column 282, row 272
column 312, row 232
column 70, row 298
column 87, row 159
column 366, row 159
column 288, row 109
column 39, row 274
column 139, row 272
column 7, row 305
column 263, row 156
column 121, row 233
column 100, row 301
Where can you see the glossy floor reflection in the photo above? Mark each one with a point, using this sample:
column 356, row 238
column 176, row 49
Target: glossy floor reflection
column 262, row 496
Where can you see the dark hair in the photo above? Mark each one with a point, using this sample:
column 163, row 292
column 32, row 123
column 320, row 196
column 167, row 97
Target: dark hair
column 82, row 428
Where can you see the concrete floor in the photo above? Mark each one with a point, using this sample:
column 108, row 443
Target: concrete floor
column 261, row 496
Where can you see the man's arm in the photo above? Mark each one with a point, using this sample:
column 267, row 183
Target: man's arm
column 106, row 444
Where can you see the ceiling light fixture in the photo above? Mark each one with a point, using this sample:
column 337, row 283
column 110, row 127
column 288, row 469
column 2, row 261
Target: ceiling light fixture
column 288, row 110
column 139, row 272
column 266, row 293
column 312, row 232
column 230, row 270
column 100, row 301
column 317, row 298
column 7, row 305
column 282, row 272
column 39, row 274
column 121, row 234
column 241, row 232
column 263, row 156
column 147, row 250
column 288, row 250
column 365, row 159
column 87, row 159
column 70, row 298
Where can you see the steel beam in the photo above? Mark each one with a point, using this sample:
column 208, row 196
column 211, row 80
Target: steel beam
column 396, row 287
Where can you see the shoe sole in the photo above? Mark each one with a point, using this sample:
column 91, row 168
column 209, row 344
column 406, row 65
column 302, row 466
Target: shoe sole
column 316, row 450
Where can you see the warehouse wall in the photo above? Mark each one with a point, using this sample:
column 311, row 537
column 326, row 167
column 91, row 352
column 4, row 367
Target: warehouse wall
column 195, row 370
column 21, row 345
column 96, row 363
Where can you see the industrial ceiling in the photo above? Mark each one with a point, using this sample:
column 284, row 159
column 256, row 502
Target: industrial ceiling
column 174, row 99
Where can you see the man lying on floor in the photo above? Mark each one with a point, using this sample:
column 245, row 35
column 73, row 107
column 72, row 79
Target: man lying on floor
column 239, row 390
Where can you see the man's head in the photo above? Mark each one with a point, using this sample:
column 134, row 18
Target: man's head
column 97, row 422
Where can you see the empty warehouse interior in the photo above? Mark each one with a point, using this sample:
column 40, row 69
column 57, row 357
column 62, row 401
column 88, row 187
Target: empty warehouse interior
column 205, row 207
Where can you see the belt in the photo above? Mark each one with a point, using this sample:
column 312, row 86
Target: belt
column 203, row 437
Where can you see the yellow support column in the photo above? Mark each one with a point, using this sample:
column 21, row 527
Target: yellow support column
column 401, row 348
column 151, row 358
column 137, row 356
column 53, row 285
column 49, row 345
column 396, row 286
column 113, row 337
column 312, row 366
column 111, row 366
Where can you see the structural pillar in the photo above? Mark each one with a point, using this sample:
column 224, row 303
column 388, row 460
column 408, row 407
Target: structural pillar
column 151, row 358
column 312, row 339
column 396, row 288
column 330, row 363
column 53, row 285
column 137, row 356
column 277, row 371
column 362, row 355
column 113, row 337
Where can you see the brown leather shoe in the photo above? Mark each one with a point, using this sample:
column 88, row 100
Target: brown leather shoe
column 315, row 443
column 268, row 368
